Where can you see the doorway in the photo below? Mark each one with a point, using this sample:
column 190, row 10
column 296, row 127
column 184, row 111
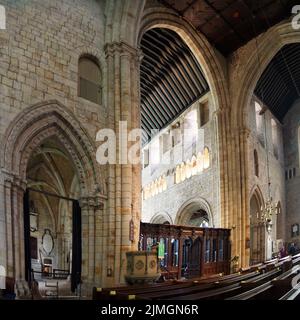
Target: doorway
column 52, row 216
column 257, row 232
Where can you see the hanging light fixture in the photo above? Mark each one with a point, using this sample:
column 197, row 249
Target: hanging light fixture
column 269, row 210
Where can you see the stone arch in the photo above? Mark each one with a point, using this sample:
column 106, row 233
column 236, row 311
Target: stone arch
column 25, row 134
column 256, row 192
column 159, row 17
column 183, row 214
column 268, row 45
column 122, row 20
column 41, row 121
column 212, row 65
column 257, row 231
column 161, row 218
column 244, row 75
column 280, row 222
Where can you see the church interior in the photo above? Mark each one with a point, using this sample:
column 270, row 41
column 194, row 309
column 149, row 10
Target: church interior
column 149, row 149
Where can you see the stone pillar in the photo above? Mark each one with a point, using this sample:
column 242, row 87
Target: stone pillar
column 235, row 205
column 12, row 192
column 125, row 186
column 92, row 242
column 99, row 242
column 3, row 234
column 84, row 240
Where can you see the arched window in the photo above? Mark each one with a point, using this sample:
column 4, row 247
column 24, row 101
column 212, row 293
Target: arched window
column 2, row 18
column 90, row 80
column 178, row 174
column 188, row 171
column 159, row 185
column 206, row 158
column 194, row 165
column 164, row 183
column 200, row 162
column 2, row 278
column 183, row 172
column 259, row 122
column 256, row 164
column 274, row 137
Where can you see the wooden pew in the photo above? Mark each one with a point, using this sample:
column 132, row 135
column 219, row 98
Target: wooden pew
column 121, row 292
column 217, row 284
column 267, row 290
column 197, row 290
column 156, row 291
column 229, row 290
column 292, row 294
column 256, row 283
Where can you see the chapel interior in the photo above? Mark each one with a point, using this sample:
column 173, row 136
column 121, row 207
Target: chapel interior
column 149, row 149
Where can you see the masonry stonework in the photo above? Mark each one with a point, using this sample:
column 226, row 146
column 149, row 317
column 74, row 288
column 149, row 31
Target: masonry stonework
column 39, row 54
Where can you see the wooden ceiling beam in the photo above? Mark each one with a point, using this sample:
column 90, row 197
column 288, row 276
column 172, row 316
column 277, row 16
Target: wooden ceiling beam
column 219, row 13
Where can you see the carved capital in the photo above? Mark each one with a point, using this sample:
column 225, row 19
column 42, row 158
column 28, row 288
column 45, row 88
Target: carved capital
column 96, row 202
column 13, row 180
column 123, row 49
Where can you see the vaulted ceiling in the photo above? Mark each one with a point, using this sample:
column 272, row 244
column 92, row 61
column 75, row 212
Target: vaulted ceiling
column 228, row 24
column 279, row 85
column 171, row 78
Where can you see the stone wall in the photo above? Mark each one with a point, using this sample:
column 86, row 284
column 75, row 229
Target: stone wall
column 40, row 58
column 39, row 53
column 266, row 154
column 201, row 187
column 291, row 149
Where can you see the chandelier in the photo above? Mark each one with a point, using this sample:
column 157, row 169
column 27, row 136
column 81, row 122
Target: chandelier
column 267, row 212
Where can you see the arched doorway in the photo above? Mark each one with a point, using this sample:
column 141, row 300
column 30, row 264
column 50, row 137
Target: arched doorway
column 257, row 231
column 43, row 127
column 52, row 216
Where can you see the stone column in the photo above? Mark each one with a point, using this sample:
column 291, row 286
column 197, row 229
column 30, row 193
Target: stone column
column 99, row 241
column 124, row 190
column 12, row 191
column 3, row 234
column 9, row 237
column 92, row 242
column 234, row 185
column 84, row 240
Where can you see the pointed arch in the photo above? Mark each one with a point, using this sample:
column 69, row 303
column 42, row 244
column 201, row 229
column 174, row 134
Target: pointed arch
column 162, row 218
column 256, row 163
column 186, row 210
column 48, row 119
column 269, row 44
